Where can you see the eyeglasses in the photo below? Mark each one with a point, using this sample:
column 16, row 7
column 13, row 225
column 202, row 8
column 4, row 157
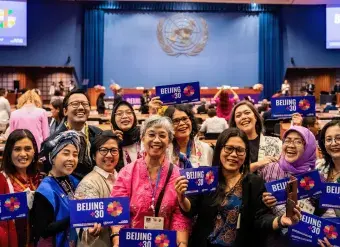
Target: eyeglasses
column 105, row 151
column 121, row 113
column 76, row 104
column 177, row 121
column 240, row 151
column 296, row 143
column 329, row 140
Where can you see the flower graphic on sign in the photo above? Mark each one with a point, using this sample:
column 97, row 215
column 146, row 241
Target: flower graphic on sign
column 307, row 183
column 12, row 204
column 115, row 209
column 330, row 232
column 162, row 240
column 304, row 104
column 209, row 177
column 189, row 91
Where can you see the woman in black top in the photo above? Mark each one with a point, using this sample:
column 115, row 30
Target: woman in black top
column 234, row 215
column 101, row 104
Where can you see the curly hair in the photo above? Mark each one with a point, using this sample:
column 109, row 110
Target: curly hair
column 29, row 96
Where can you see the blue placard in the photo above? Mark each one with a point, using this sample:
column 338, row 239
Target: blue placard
column 330, row 197
column 179, row 93
column 13, row 206
column 106, row 211
column 285, row 106
column 309, row 184
column 147, row 238
column 311, row 228
column 201, row 180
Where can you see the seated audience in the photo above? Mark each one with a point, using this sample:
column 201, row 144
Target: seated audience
column 202, row 108
column 149, row 183
column 101, row 104
column 5, row 108
column 213, row 124
column 234, row 214
column 331, row 107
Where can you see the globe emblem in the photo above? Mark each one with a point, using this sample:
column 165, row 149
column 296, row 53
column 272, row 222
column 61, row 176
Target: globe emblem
column 182, row 34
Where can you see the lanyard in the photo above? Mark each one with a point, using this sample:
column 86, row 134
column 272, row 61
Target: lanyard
column 65, row 186
column 154, row 190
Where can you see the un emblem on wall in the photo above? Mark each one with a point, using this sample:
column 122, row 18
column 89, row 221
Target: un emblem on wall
column 182, row 34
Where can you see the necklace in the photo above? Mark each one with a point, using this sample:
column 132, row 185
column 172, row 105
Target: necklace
column 333, row 175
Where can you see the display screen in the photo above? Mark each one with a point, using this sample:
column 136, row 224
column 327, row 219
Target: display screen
column 13, row 22
column 333, row 27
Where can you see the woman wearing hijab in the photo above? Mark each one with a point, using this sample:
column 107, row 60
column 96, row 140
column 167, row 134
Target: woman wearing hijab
column 298, row 156
column 124, row 123
column 51, row 215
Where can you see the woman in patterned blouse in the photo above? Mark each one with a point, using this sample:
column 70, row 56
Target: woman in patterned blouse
column 18, row 173
column 144, row 180
column 234, row 215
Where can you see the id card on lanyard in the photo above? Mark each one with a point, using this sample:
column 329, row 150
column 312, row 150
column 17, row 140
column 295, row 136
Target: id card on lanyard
column 153, row 222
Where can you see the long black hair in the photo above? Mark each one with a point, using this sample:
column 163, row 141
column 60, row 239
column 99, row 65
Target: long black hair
column 220, row 143
column 7, row 164
column 259, row 120
column 327, row 157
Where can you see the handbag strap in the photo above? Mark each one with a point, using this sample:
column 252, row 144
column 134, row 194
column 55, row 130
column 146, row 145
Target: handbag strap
column 161, row 194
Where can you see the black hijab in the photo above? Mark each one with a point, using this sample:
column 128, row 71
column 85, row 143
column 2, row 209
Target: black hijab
column 132, row 135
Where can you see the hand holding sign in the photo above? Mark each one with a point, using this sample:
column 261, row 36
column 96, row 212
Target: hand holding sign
column 95, row 230
column 293, row 219
column 324, row 243
column 155, row 104
column 181, row 187
column 269, row 200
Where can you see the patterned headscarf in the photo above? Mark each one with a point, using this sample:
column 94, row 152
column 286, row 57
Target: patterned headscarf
column 62, row 140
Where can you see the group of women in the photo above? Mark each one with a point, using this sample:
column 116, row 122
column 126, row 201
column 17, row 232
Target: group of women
column 143, row 163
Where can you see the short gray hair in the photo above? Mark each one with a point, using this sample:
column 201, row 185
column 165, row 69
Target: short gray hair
column 158, row 121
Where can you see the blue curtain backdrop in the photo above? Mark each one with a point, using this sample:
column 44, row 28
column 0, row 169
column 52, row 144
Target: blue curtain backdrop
column 93, row 46
column 270, row 42
column 270, row 53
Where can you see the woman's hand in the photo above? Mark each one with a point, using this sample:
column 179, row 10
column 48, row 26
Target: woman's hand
column 118, row 133
column 95, row 230
column 155, row 104
column 269, row 200
column 181, row 186
column 324, row 243
column 262, row 163
column 297, row 119
column 289, row 221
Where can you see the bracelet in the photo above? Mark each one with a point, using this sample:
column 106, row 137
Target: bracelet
column 114, row 234
column 279, row 222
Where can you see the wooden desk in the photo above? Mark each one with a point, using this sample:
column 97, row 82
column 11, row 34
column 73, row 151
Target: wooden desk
column 211, row 142
column 202, row 116
column 326, row 116
column 104, row 126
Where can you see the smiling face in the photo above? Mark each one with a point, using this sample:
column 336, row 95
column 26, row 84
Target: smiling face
column 293, row 147
column 156, row 141
column 124, row 117
column 22, row 153
column 77, row 114
column 233, row 154
column 107, row 156
column 66, row 161
column 182, row 124
column 245, row 119
column 332, row 142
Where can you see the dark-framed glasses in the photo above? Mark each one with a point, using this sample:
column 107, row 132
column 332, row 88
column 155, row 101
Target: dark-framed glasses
column 177, row 121
column 240, row 151
column 76, row 104
column 329, row 140
column 105, row 151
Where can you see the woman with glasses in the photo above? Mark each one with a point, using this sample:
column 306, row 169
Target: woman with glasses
column 124, row 124
column 99, row 183
column 187, row 151
column 263, row 149
column 329, row 143
column 298, row 156
column 234, row 215
column 149, row 183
